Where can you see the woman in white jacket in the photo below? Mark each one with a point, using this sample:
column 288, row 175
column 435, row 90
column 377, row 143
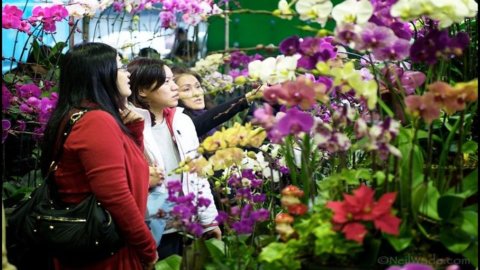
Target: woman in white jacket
column 169, row 139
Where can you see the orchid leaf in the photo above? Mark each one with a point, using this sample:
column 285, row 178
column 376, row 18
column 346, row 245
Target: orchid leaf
column 170, row 263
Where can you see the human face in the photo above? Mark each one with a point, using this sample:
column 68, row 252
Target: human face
column 191, row 92
column 123, row 79
column 165, row 96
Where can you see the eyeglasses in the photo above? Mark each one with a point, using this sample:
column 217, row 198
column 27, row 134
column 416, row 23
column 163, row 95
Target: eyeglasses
column 123, row 67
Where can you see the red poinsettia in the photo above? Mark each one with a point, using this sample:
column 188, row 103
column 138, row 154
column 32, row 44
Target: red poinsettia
column 361, row 206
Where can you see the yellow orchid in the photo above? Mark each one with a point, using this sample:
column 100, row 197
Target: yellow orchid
column 213, row 143
column 256, row 137
column 468, row 89
column 367, row 89
column 225, row 158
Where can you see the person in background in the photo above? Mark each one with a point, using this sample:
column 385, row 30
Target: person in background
column 154, row 89
column 183, row 49
column 149, row 53
column 192, row 99
column 103, row 153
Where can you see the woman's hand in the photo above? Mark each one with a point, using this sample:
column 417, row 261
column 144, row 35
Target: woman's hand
column 256, row 94
column 156, row 176
column 130, row 116
column 150, row 265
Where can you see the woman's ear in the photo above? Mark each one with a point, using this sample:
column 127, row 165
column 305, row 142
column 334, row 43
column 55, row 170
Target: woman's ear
column 142, row 93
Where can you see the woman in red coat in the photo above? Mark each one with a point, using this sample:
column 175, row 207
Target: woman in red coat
column 103, row 154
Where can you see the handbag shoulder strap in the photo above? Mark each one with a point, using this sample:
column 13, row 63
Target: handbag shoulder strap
column 67, row 124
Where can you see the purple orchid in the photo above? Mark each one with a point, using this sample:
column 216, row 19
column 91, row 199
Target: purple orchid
column 222, row 217
column 347, row 34
column 28, row 90
column 6, row 125
column 409, row 80
column 294, row 122
column 290, row 45
column 375, row 37
column 6, row 98
column 398, row 50
column 437, row 44
column 259, row 198
column 314, row 50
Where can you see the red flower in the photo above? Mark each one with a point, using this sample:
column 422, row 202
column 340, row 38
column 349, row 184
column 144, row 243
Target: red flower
column 361, row 207
column 361, row 203
column 384, row 204
column 355, row 231
column 340, row 214
column 297, row 209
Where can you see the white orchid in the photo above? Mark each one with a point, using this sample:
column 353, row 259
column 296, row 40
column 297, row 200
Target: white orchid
column 446, row 12
column 81, row 8
column 285, row 68
column 209, row 64
column 262, row 70
column 314, row 10
column 274, row 70
column 352, row 11
column 260, row 165
column 284, row 10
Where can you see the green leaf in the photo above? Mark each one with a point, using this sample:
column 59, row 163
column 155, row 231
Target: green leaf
column 272, row 252
column 470, row 147
column 449, row 205
column 170, row 263
column 363, row 173
column 216, row 248
column 9, row 77
column 403, row 240
column 428, row 207
column 405, row 145
column 423, row 134
column 380, row 176
column 469, row 185
column 472, row 253
column 385, row 108
column 470, row 223
column 455, row 240
column 417, row 196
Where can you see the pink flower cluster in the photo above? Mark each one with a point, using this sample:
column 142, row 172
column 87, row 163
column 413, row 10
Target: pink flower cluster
column 12, row 19
column 192, row 11
column 48, row 16
column 31, row 105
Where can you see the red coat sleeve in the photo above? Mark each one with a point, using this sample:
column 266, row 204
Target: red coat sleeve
column 100, row 145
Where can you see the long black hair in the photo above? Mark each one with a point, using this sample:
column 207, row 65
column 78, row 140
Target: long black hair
column 145, row 74
column 88, row 78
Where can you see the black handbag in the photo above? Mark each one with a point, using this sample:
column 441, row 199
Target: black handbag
column 75, row 234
